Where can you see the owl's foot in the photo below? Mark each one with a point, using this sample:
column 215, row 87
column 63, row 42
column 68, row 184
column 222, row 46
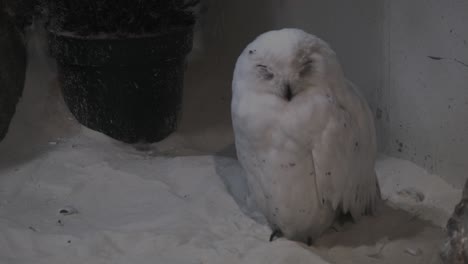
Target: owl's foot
column 309, row 241
column 339, row 225
column 344, row 218
column 275, row 233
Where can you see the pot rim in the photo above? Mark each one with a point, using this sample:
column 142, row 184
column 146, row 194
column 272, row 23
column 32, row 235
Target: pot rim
column 114, row 36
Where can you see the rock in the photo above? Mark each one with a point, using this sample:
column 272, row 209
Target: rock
column 12, row 69
column 455, row 249
column 412, row 194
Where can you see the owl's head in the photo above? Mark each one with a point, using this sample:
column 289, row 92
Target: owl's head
column 286, row 63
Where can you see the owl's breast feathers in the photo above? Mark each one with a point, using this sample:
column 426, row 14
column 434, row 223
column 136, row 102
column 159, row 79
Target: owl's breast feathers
column 337, row 132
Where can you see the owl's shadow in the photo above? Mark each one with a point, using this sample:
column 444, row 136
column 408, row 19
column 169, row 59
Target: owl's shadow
column 387, row 224
column 233, row 177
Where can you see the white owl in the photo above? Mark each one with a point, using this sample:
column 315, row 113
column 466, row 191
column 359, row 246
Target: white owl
column 304, row 135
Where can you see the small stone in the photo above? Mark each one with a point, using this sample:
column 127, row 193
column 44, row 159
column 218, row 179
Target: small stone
column 413, row 251
column 68, row 210
column 412, row 194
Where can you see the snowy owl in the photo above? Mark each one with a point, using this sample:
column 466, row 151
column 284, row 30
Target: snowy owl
column 303, row 134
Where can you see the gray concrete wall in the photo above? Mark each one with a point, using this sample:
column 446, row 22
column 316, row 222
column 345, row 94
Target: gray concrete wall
column 424, row 101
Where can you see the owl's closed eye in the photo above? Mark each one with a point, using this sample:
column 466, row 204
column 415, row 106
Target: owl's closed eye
column 264, row 72
column 307, row 68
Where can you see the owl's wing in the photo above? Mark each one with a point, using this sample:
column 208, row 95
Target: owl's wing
column 344, row 155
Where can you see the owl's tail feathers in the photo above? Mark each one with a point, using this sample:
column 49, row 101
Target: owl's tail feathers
column 374, row 204
column 375, row 201
column 367, row 202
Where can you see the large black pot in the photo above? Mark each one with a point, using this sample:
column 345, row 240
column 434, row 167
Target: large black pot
column 127, row 88
column 12, row 69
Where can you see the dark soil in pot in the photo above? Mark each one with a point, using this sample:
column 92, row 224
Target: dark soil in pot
column 128, row 88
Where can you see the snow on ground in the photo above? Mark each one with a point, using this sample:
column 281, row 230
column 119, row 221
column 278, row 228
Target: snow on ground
column 71, row 195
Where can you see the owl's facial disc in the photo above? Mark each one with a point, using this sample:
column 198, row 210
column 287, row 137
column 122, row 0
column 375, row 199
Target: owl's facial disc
column 293, row 85
column 285, row 73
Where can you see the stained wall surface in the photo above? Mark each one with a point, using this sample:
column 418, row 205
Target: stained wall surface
column 424, row 101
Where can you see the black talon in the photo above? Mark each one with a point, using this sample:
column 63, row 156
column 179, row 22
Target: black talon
column 309, row 241
column 275, row 233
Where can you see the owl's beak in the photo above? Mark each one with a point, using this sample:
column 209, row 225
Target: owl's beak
column 287, row 92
